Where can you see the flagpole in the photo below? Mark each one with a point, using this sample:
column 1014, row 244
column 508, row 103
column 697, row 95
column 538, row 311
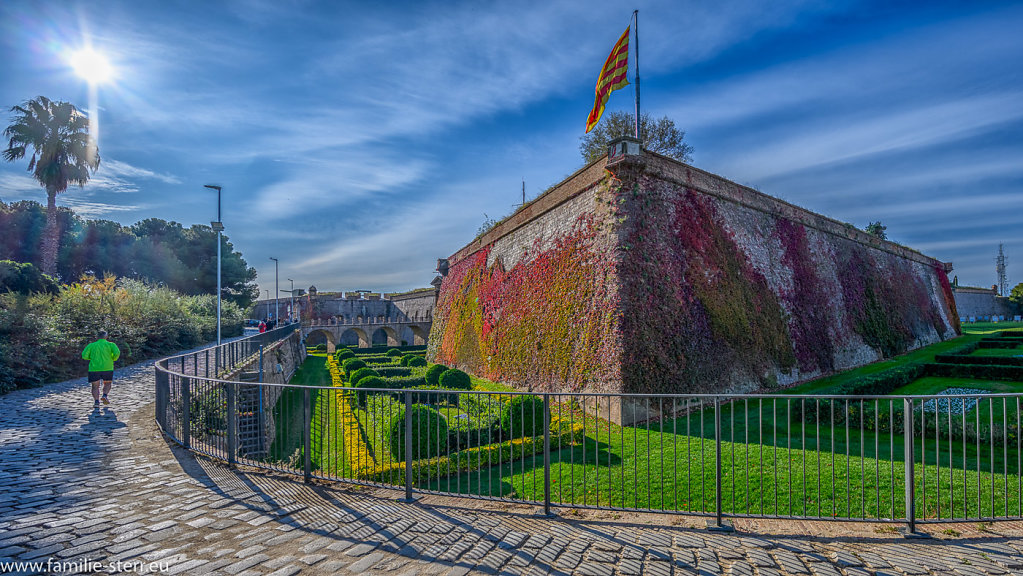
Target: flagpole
column 635, row 15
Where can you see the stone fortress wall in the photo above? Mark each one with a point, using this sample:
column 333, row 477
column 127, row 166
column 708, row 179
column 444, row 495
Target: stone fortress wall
column 654, row 276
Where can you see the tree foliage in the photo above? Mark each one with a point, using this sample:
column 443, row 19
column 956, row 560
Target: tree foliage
column 877, row 229
column 1016, row 296
column 153, row 250
column 661, row 136
column 42, row 334
column 63, row 153
column 25, row 279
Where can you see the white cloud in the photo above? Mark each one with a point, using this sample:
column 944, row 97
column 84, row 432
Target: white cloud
column 117, row 169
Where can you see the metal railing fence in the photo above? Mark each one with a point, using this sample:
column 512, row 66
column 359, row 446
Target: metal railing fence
column 911, row 459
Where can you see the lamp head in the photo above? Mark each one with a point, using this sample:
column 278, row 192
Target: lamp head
column 212, row 187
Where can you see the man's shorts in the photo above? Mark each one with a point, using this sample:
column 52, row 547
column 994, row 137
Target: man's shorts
column 107, row 375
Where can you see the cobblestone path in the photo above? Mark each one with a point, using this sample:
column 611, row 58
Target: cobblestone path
column 84, row 489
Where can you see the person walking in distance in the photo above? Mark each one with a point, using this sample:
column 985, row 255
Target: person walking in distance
column 101, row 355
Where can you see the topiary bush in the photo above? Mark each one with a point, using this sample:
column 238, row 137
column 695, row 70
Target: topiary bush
column 367, row 383
column 416, row 362
column 360, row 374
column 405, row 359
column 394, row 352
column 343, row 354
column 455, row 379
column 433, row 374
column 522, row 416
column 429, row 433
column 351, row 365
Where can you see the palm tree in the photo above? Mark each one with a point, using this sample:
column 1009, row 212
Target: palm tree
column 63, row 153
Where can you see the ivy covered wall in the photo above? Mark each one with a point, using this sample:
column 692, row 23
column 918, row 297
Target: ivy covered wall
column 653, row 276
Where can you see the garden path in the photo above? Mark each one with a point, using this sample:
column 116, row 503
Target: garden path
column 104, row 485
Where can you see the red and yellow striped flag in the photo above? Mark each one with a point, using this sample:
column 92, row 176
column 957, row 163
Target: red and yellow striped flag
column 612, row 77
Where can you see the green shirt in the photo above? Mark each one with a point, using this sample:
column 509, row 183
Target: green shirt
column 101, row 355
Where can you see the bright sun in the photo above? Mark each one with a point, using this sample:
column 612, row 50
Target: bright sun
column 91, row 65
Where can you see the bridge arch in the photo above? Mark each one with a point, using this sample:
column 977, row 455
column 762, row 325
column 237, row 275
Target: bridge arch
column 419, row 335
column 386, row 336
column 354, row 337
column 321, row 336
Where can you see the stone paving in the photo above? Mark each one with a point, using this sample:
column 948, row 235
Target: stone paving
column 85, row 490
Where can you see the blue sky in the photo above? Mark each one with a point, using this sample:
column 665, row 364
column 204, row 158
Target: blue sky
column 359, row 141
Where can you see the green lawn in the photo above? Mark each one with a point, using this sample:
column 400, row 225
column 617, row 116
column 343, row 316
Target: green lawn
column 661, row 469
column 288, row 412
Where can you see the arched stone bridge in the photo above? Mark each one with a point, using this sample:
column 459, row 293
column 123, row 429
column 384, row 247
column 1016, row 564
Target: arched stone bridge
column 389, row 332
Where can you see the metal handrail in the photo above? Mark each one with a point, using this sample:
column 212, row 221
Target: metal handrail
column 826, row 457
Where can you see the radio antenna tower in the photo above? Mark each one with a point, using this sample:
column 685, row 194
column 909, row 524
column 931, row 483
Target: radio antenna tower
column 1003, row 283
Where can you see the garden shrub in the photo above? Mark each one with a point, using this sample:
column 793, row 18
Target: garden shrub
column 394, row 352
column 351, row 365
column 343, row 354
column 975, row 371
column 416, row 362
column 377, row 360
column 433, row 374
column 360, row 374
column 429, row 433
column 455, row 379
column 522, row 416
column 368, row 383
column 319, row 348
column 405, row 359
column 393, row 371
column 980, row 360
column 431, row 395
column 407, row 382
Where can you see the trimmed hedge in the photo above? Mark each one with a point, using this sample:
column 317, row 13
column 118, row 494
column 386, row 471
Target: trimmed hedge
column 880, row 384
column 433, row 374
column 384, row 349
column 393, row 371
column 416, row 362
column 360, row 374
column 343, row 354
column 369, row 383
column 979, row 360
column 378, row 360
column 474, row 458
column 522, row 416
column 429, row 433
column 394, row 352
column 455, row 379
column 407, row 382
column 975, row 371
column 1007, row 343
column 351, row 365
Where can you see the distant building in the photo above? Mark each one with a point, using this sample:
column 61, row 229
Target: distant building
column 980, row 303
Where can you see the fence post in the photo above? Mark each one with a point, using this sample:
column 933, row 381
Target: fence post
column 232, row 423
column 908, row 455
column 260, row 362
column 408, row 447
column 161, row 396
column 307, row 433
column 719, row 523
column 207, row 363
column 547, row 455
column 186, row 416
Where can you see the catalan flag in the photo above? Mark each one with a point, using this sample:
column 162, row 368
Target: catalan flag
column 612, row 77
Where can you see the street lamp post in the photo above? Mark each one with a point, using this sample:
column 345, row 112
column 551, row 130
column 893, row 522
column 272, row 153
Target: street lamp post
column 277, row 291
column 291, row 307
column 219, row 227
